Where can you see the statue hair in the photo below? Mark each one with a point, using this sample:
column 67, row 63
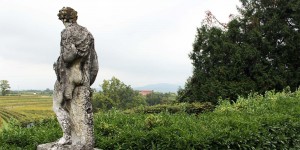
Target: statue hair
column 67, row 14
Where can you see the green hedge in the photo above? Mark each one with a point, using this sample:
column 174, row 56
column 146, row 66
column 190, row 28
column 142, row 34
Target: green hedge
column 190, row 108
column 17, row 137
column 258, row 122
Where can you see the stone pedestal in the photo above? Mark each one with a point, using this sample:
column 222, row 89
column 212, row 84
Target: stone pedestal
column 49, row 146
column 81, row 122
column 81, row 116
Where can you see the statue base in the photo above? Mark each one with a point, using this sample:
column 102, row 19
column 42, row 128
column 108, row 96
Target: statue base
column 52, row 146
column 81, row 122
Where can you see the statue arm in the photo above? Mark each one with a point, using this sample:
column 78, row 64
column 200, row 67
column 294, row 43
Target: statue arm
column 70, row 50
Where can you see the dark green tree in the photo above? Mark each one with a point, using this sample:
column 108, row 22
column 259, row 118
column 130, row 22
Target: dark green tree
column 117, row 94
column 155, row 98
column 4, row 86
column 257, row 51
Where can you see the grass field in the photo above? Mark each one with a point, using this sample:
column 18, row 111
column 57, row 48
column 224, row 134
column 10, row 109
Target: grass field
column 25, row 108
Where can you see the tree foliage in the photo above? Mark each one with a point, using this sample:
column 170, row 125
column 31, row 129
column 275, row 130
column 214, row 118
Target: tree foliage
column 258, row 51
column 118, row 95
column 160, row 98
column 4, row 85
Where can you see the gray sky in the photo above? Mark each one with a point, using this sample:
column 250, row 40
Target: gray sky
column 138, row 41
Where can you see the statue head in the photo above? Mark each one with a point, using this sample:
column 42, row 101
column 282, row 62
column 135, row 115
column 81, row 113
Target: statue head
column 67, row 15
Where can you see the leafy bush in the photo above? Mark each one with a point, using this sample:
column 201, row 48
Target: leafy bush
column 190, row 108
column 153, row 121
column 269, row 121
column 155, row 98
column 18, row 137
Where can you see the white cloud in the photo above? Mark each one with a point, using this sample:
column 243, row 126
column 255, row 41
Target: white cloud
column 26, row 75
column 138, row 41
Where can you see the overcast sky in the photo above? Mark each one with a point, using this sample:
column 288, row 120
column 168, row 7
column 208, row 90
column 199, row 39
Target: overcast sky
column 140, row 42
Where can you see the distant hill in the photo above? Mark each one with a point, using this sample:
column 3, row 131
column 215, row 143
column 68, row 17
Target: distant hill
column 160, row 87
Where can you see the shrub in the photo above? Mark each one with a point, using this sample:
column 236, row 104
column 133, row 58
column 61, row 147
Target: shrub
column 17, row 137
column 269, row 121
column 190, row 108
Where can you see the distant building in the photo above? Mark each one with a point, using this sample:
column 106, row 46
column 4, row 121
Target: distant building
column 145, row 92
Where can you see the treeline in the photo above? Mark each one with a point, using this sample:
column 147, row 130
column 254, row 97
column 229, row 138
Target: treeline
column 5, row 90
column 116, row 94
column 31, row 92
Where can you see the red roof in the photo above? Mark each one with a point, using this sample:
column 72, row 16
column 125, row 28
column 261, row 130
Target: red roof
column 145, row 92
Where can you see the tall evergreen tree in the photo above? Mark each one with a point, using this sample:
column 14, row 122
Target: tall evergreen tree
column 258, row 51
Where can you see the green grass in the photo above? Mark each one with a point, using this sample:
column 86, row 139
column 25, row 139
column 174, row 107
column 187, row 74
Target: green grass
column 24, row 108
column 258, row 122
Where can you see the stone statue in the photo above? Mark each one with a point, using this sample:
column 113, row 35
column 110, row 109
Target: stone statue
column 76, row 69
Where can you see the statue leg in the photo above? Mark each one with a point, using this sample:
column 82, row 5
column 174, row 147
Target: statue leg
column 68, row 91
column 74, row 77
column 62, row 115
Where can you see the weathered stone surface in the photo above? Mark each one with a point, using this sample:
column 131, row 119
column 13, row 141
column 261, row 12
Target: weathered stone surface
column 51, row 146
column 80, row 111
column 76, row 70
